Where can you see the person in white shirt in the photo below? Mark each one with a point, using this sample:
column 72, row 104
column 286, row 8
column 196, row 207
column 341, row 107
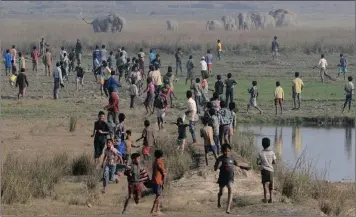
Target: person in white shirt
column 57, row 80
column 103, row 53
column 349, row 91
column 191, row 114
column 323, row 64
column 204, row 67
column 61, row 55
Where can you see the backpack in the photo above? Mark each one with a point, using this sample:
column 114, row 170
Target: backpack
column 160, row 102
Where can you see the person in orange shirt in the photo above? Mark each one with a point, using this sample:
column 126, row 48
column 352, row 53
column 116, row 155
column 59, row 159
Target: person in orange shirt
column 158, row 180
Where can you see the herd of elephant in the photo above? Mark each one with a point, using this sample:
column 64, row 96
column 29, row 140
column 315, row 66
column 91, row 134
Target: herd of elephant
column 243, row 21
column 258, row 20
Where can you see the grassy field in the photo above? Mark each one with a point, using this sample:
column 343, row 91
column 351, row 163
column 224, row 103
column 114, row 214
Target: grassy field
column 41, row 153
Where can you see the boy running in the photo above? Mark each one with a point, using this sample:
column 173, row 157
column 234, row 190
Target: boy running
column 226, row 174
column 136, row 175
column 158, row 180
column 323, row 64
column 278, row 97
column 100, row 132
column 148, row 139
column 111, row 158
column 266, row 158
column 182, row 134
column 22, row 83
column 349, row 91
column 253, row 97
column 207, row 134
column 161, row 103
column 197, row 94
column 230, row 84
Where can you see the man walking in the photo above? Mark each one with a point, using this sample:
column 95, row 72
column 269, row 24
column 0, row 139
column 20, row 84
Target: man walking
column 179, row 56
column 78, row 52
column 47, row 61
column 57, row 80
column 275, row 48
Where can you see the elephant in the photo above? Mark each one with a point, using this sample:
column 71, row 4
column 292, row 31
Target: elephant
column 243, row 21
column 172, row 25
column 269, row 22
column 213, row 24
column 279, row 16
column 258, row 20
column 118, row 23
column 102, row 23
column 227, row 20
column 230, row 26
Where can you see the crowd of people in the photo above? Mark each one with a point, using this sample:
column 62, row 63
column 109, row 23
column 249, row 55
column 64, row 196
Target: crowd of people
column 114, row 143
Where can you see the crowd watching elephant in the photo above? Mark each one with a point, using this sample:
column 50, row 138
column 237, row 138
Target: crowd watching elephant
column 102, row 23
column 213, row 24
column 227, row 20
column 172, row 25
column 243, row 21
column 118, row 23
column 283, row 17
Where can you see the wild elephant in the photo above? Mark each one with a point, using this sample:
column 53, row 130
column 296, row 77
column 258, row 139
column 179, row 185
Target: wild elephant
column 213, row 24
column 258, row 20
column 172, row 25
column 243, row 21
column 287, row 20
column 279, row 16
column 227, row 20
column 118, row 23
column 101, row 23
column 268, row 22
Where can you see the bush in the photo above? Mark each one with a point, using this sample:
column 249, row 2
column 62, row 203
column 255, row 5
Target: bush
column 82, row 165
column 72, row 124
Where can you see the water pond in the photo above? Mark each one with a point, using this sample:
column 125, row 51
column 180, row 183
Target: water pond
column 328, row 149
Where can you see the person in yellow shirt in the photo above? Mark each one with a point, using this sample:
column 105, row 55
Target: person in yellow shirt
column 278, row 97
column 219, row 48
column 297, row 90
column 22, row 64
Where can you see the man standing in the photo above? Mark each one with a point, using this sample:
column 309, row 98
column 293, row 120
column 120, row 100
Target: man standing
column 22, row 83
column 219, row 49
column 78, row 52
column 275, row 47
column 47, row 61
column 157, row 79
column 71, row 59
column 103, row 53
column 34, row 56
column 349, row 91
column 179, row 56
column 58, row 80
column 342, row 66
column 297, row 90
column 43, row 44
column 191, row 114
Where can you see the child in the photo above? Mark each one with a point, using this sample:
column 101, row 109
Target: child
column 13, row 67
column 148, row 139
column 342, row 66
column 111, row 158
column 128, row 67
column 136, row 175
column 100, row 132
column 22, row 83
column 133, row 93
column 190, row 68
column 205, row 91
column 215, row 101
column 120, row 134
column 230, row 84
column 161, row 104
column 197, row 93
column 21, row 61
column 214, row 122
column 171, row 94
column 266, row 158
column 158, row 180
column 232, row 107
column 349, row 91
column 219, row 49
column 80, row 76
column 141, row 64
column 182, row 134
column 278, row 97
column 298, row 86
column 129, row 144
column 219, row 87
column 209, row 146
column 253, row 97
column 150, row 89
column 226, row 174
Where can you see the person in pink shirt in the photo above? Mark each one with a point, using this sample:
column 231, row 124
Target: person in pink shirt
column 150, row 90
column 34, row 56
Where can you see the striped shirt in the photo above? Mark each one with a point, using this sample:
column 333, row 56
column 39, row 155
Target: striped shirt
column 136, row 174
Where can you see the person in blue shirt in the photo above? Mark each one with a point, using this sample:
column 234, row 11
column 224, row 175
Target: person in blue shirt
column 8, row 64
column 112, row 83
column 152, row 56
column 96, row 55
column 342, row 66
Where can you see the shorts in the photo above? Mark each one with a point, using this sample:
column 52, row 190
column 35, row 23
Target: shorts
column 342, row 69
column 210, row 67
column 157, row 189
column 161, row 113
column 253, row 102
column 267, row 176
column 146, row 150
column 278, row 101
column 225, row 130
column 210, row 148
column 135, row 189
